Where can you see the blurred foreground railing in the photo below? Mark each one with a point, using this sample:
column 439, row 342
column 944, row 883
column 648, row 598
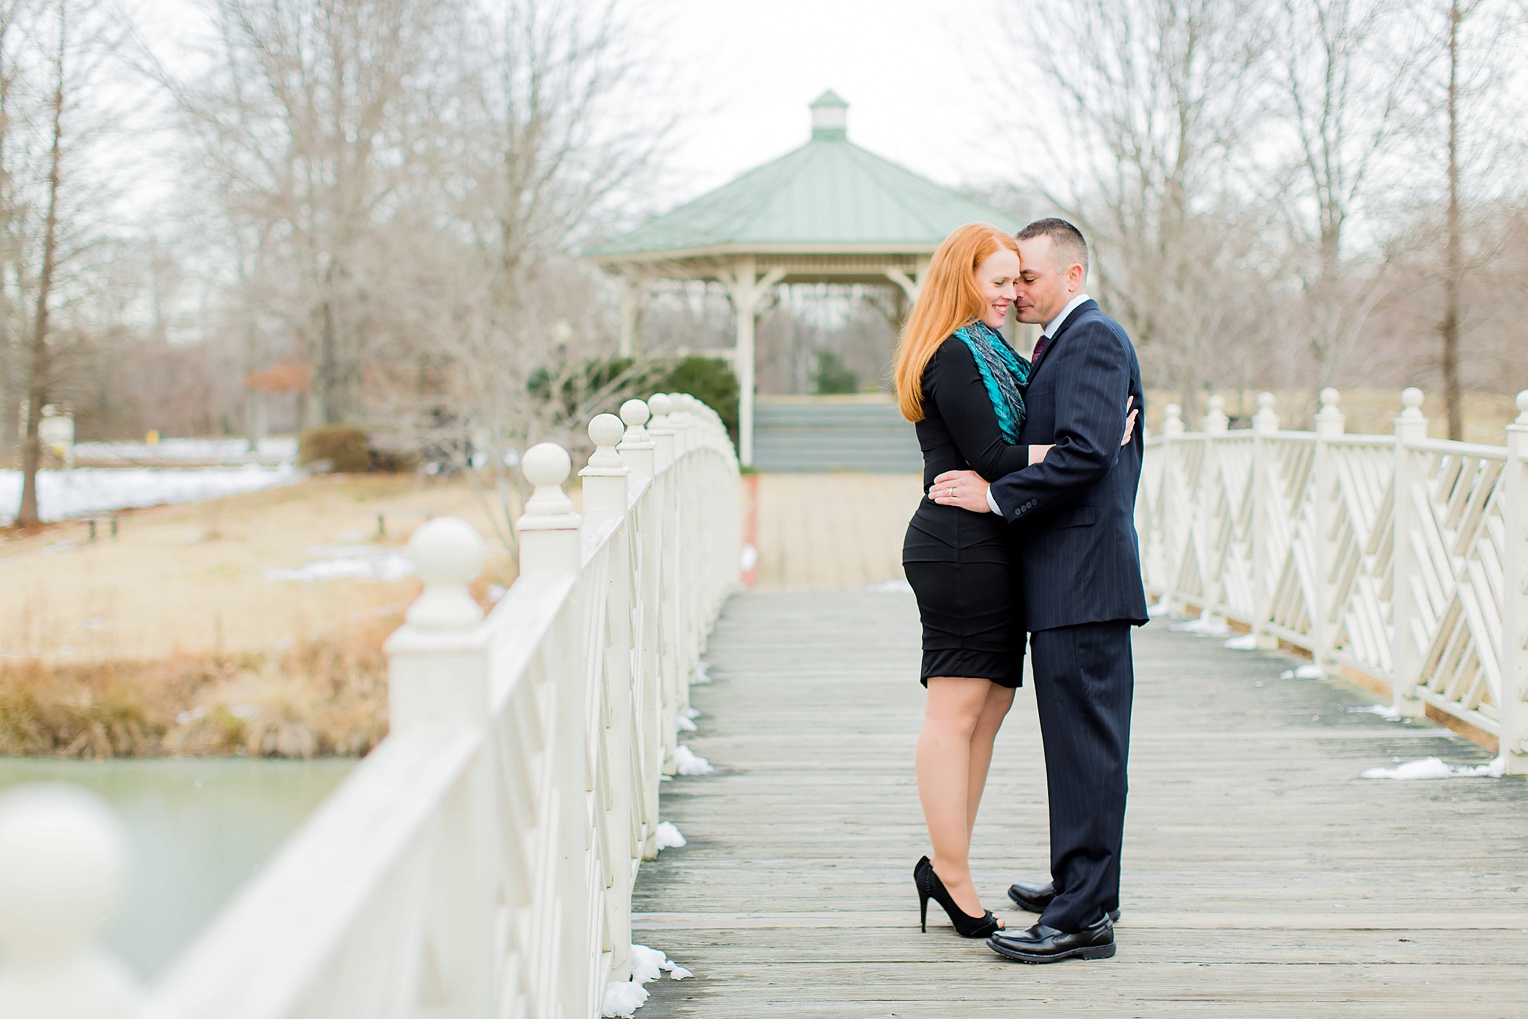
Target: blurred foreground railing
column 1398, row 560
column 479, row 862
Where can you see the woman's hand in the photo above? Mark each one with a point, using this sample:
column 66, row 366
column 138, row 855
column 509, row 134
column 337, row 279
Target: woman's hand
column 1129, row 421
column 965, row 489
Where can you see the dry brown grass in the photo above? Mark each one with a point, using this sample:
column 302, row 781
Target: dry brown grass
column 320, row 697
column 172, row 639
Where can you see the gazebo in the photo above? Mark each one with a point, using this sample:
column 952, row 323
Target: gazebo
column 827, row 212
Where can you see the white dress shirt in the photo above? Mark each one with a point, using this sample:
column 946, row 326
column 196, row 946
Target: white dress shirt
column 1050, row 330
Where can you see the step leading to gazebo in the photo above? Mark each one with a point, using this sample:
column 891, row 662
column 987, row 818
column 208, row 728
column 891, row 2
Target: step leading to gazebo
column 826, row 433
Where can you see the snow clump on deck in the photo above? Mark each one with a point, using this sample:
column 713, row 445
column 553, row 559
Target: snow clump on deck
column 624, row 997
column 688, row 762
column 1205, row 626
column 1431, row 767
column 668, row 836
column 1310, row 670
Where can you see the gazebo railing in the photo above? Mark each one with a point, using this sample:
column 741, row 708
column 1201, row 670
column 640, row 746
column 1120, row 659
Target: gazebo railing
column 1397, row 560
column 479, row 862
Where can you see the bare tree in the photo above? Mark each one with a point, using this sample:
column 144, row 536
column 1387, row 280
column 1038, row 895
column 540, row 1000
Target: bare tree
column 1156, row 99
column 1343, row 71
column 301, row 126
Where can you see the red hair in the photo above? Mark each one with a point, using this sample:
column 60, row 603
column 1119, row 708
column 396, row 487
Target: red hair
column 948, row 299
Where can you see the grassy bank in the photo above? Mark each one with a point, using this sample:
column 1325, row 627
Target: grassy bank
column 204, row 630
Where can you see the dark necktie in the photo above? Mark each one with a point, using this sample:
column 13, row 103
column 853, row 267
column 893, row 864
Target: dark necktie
column 1041, row 346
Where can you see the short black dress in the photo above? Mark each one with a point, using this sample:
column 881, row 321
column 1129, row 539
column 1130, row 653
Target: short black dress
column 959, row 563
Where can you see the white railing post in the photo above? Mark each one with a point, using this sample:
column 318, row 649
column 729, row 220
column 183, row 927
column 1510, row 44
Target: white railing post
column 606, row 480
column 1265, row 424
column 637, row 446
column 437, row 670
column 438, row 673
column 548, row 529
column 662, row 431
column 1323, row 611
column 1406, row 655
column 1216, row 425
column 1514, row 610
column 63, row 873
column 1215, row 420
column 1172, row 501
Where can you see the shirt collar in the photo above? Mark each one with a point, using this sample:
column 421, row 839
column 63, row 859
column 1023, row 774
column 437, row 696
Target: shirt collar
column 1071, row 306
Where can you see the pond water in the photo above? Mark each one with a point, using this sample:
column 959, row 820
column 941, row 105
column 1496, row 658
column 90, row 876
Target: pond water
column 200, row 828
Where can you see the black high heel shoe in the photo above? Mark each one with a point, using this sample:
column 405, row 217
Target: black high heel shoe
column 930, row 887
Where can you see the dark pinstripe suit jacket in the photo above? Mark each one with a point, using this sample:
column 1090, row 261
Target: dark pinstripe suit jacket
column 1073, row 514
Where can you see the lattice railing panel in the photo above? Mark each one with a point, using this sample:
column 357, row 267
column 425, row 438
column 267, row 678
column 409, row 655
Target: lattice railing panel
column 1402, row 557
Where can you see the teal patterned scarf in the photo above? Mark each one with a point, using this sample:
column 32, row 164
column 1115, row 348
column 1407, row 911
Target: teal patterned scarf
column 1004, row 374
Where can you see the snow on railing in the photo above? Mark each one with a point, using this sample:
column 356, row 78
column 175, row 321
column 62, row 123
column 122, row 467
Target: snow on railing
column 1399, row 560
column 479, row 862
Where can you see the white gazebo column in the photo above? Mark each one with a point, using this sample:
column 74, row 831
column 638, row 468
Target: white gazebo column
column 746, row 287
column 631, row 303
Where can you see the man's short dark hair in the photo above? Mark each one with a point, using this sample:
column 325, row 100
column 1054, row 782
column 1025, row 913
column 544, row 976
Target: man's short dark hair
column 1069, row 242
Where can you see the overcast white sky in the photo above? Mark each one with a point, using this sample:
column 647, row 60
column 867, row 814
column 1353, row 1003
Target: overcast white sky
column 744, row 73
column 908, row 68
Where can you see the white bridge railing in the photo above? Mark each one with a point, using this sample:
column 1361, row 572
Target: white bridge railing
column 479, row 862
column 1397, row 560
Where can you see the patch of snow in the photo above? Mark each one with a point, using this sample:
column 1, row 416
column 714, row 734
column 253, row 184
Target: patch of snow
column 898, row 586
column 1432, row 767
column 1159, row 608
column 1205, row 626
column 668, row 836
column 688, row 762
column 747, row 559
column 348, row 562
column 684, row 724
column 692, row 713
column 1246, row 642
column 1385, row 711
column 187, row 449
column 1310, row 670
column 702, row 673
column 62, row 495
column 623, row 998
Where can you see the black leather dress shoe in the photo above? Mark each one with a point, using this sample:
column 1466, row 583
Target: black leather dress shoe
column 1046, row 944
column 1034, row 898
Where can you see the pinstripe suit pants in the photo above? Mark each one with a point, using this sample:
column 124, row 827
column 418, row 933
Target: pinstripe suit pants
column 1084, row 682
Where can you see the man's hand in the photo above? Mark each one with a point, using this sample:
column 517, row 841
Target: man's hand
column 965, row 489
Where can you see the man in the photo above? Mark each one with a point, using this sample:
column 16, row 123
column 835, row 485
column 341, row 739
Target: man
column 1073, row 511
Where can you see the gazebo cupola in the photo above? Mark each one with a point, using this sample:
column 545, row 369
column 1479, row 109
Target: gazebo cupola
column 826, row 212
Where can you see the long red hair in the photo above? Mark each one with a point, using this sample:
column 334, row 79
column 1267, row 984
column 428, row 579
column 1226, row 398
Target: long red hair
column 948, row 299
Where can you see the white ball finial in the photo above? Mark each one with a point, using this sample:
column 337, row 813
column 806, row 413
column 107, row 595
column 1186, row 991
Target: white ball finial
column 547, row 465
column 606, row 431
column 1330, row 397
column 63, row 871
column 1173, row 411
column 635, row 413
column 1522, row 407
column 660, row 405
column 447, row 553
column 1265, row 401
column 1411, row 398
column 1217, row 402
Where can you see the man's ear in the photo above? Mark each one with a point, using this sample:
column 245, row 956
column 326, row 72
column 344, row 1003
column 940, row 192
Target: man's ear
column 1074, row 277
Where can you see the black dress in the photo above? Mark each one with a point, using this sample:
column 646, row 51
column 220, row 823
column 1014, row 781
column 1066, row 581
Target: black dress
column 958, row 562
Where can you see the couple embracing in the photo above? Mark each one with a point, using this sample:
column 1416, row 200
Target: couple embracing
column 1027, row 528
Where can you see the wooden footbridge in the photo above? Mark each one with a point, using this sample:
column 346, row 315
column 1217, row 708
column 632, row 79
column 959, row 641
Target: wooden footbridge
column 502, row 852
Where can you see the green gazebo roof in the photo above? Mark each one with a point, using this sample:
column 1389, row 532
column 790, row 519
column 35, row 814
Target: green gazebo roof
column 828, row 196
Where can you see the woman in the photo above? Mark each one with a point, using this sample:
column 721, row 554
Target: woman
column 962, row 385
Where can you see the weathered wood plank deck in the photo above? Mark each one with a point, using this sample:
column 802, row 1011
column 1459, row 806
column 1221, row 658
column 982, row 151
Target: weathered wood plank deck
column 1263, row 876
